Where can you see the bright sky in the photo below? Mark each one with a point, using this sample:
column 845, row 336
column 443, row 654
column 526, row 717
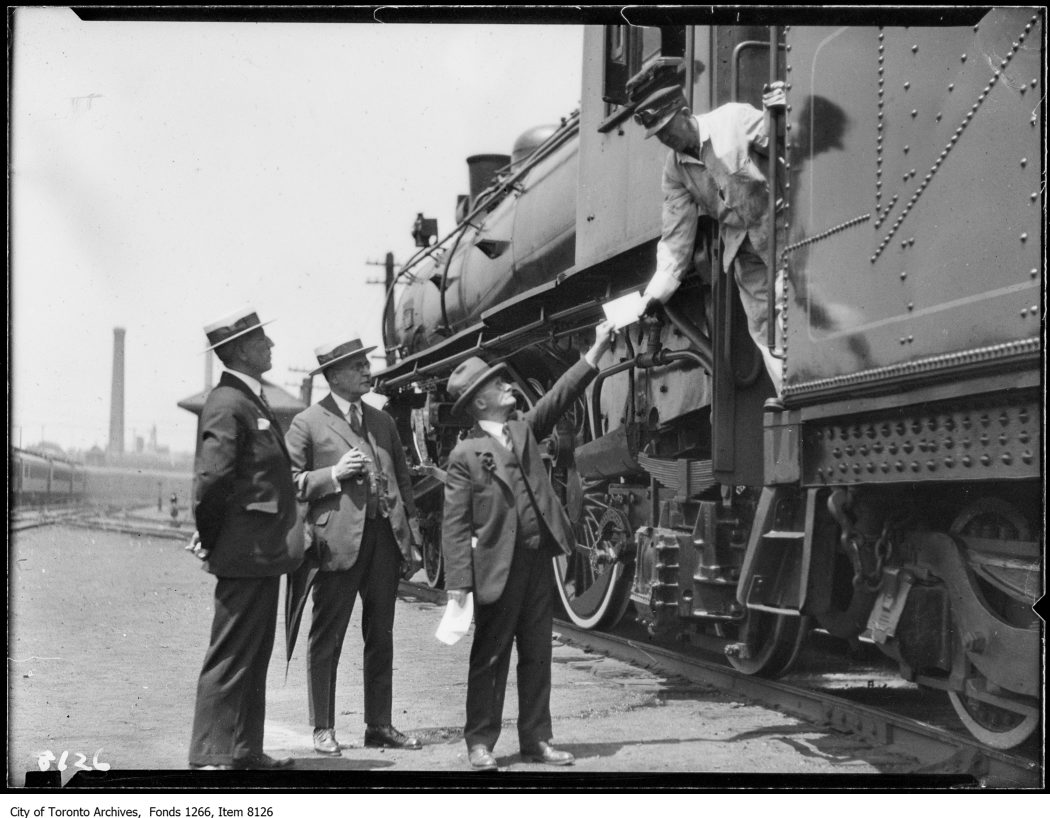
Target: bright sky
column 165, row 174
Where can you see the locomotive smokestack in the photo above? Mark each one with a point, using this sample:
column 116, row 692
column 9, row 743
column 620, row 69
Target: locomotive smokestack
column 116, row 398
column 482, row 168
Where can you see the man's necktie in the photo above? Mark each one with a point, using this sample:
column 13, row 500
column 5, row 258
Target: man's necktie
column 370, row 481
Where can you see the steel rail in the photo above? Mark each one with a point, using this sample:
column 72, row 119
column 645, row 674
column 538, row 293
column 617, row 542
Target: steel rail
column 992, row 768
column 110, row 524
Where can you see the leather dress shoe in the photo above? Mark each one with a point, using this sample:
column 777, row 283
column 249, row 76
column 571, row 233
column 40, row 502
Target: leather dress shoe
column 325, row 742
column 261, row 761
column 210, row 767
column 481, row 759
column 389, row 736
column 543, row 753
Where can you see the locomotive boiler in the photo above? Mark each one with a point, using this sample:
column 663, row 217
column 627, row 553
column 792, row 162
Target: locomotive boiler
column 895, row 496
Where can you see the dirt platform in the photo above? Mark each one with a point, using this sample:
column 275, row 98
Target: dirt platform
column 107, row 633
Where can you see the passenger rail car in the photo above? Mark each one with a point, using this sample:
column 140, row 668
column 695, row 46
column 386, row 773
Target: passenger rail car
column 897, row 494
column 37, row 479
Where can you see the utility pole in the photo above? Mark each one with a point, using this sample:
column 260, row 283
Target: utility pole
column 306, row 385
column 388, row 308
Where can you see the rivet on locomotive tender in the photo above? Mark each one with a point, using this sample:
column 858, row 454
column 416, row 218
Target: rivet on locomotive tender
column 897, row 495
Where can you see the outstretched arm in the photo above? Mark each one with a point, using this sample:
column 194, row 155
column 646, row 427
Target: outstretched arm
column 565, row 390
column 677, row 238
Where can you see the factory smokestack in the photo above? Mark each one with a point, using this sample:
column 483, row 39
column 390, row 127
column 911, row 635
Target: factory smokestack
column 116, row 399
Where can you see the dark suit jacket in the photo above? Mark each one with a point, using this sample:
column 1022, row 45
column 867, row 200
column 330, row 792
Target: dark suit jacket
column 479, row 501
column 335, row 517
column 243, row 497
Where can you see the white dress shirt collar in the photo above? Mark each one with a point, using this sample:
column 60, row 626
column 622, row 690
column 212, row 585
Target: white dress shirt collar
column 344, row 405
column 495, row 429
column 252, row 383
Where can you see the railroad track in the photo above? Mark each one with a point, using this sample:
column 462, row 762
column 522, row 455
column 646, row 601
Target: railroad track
column 958, row 753
column 118, row 523
column 24, row 518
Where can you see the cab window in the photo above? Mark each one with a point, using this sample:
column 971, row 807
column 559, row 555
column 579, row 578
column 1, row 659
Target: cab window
column 628, row 49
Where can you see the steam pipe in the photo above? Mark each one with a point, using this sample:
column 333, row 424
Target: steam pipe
column 694, row 335
column 645, row 360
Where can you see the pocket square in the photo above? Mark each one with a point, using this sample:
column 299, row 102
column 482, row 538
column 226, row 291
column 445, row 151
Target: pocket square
column 263, row 424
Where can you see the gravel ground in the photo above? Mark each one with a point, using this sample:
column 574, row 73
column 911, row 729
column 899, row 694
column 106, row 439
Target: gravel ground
column 107, row 633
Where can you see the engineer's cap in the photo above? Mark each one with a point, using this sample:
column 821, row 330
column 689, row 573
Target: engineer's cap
column 333, row 353
column 234, row 325
column 657, row 109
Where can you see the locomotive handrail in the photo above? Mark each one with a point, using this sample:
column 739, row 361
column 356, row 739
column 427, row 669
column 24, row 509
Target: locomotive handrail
column 771, row 271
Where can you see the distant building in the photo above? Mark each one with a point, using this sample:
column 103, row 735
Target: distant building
column 46, row 448
column 285, row 405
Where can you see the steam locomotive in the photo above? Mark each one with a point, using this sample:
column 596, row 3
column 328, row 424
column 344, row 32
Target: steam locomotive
column 896, row 496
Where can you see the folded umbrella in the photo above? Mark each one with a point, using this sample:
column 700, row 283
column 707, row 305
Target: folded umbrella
column 297, row 589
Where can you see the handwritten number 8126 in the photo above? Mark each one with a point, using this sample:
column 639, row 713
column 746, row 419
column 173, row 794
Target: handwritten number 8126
column 45, row 758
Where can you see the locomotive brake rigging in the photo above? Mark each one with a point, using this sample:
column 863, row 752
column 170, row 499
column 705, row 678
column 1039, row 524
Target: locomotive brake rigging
column 896, row 497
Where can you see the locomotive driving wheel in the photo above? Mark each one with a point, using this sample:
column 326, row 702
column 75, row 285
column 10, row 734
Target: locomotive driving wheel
column 769, row 644
column 433, row 564
column 594, row 581
column 993, row 725
column 998, row 727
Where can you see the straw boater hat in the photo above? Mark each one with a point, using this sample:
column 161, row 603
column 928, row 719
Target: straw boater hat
column 659, row 108
column 468, row 378
column 335, row 352
column 232, row 326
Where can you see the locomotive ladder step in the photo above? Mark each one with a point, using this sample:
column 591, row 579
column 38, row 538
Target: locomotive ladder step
column 785, row 536
column 702, row 580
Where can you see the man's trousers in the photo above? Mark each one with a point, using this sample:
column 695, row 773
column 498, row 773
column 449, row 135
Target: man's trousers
column 231, row 692
column 375, row 577
column 522, row 616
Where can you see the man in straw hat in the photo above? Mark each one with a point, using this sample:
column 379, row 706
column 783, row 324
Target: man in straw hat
column 502, row 526
column 245, row 511
column 714, row 169
column 349, row 468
